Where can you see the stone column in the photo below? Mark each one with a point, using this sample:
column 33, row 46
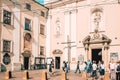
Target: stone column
column 106, row 46
column 86, row 52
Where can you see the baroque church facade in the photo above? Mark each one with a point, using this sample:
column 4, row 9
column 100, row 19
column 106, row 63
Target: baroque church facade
column 81, row 30
column 22, row 34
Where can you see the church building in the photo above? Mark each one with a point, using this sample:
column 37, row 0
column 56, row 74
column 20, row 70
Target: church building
column 81, row 30
column 22, row 34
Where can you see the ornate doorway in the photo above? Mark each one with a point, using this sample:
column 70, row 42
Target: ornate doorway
column 96, row 43
column 57, row 58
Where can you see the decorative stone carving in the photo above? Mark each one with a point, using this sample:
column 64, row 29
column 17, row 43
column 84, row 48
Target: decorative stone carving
column 57, row 51
column 58, row 28
column 106, row 46
column 100, row 39
column 97, row 19
column 6, row 59
column 27, row 41
column 96, row 35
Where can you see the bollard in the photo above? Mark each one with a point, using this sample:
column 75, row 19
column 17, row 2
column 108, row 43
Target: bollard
column 106, row 76
column 44, row 75
column 8, row 74
column 25, row 75
column 84, row 77
column 64, row 76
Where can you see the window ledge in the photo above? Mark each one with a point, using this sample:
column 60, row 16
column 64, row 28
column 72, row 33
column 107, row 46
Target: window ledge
column 8, row 26
column 44, row 36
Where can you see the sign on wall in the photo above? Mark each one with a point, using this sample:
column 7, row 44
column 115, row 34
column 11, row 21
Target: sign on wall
column 114, row 56
column 81, row 58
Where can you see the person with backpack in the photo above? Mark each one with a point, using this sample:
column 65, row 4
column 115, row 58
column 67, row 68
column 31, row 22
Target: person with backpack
column 118, row 71
column 101, row 69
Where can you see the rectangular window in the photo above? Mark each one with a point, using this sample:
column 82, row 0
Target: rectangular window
column 27, row 24
column 7, row 17
column 6, row 46
column 42, row 13
column 41, row 50
column 42, row 29
column 28, row 6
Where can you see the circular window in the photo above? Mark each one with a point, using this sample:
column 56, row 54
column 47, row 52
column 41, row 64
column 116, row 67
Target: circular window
column 6, row 59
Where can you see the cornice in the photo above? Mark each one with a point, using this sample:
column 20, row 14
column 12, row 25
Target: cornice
column 61, row 3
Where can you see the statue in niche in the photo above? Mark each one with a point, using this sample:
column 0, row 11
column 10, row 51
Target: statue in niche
column 27, row 40
column 97, row 20
column 57, row 27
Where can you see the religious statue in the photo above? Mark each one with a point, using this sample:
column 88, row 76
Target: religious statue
column 27, row 40
column 97, row 18
column 58, row 26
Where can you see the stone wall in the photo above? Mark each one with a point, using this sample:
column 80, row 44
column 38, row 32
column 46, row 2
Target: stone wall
column 17, row 66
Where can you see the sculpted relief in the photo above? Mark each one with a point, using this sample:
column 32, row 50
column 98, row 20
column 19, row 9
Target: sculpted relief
column 27, row 41
column 97, row 20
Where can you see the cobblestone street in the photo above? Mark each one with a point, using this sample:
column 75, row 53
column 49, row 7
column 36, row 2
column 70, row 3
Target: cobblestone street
column 37, row 74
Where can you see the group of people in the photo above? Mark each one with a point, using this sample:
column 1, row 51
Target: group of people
column 91, row 68
column 97, row 70
column 114, row 70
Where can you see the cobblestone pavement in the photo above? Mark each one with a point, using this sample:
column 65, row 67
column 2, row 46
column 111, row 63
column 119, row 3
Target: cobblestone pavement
column 37, row 75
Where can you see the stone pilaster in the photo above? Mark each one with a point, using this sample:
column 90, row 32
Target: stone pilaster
column 86, row 52
column 106, row 47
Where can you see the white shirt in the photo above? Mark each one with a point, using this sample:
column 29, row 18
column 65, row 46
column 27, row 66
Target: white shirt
column 94, row 66
column 102, row 66
column 112, row 65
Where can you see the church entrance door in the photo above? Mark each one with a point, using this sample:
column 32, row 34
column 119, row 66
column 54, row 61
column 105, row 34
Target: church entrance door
column 97, row 55
column 57, row 62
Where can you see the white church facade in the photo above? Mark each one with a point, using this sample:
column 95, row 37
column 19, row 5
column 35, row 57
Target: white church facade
column 83, row 30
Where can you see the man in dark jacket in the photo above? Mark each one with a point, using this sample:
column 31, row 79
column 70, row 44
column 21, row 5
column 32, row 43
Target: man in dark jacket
column 118, row 71
column 78, row 68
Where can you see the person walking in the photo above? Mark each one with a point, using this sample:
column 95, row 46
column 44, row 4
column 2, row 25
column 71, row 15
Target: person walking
column 50, row 66
column 78, row 67
column 94, row 72
column 112, row 67
column 118, row 71
column 63, row 66
column 101, row 69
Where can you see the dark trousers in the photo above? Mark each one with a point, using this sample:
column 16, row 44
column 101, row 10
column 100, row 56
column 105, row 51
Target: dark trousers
column 78, row 69
column 118, row 76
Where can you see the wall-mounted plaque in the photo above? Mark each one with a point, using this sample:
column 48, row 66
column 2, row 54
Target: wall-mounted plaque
column 114, row 56
column 81, row 58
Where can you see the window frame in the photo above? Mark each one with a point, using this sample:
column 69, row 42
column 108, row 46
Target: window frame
column 8, row 17
column 28, row 24
column 42, row 13
column 42, row 50
column 28, row 6
column 8, row 46
column 42, row 29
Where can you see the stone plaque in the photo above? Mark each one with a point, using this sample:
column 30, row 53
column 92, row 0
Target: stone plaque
column 81, row 58
column 6, row 59
column 114, row 56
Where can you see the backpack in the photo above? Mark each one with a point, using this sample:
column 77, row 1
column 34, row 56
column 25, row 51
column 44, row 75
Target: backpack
column 118, row 67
